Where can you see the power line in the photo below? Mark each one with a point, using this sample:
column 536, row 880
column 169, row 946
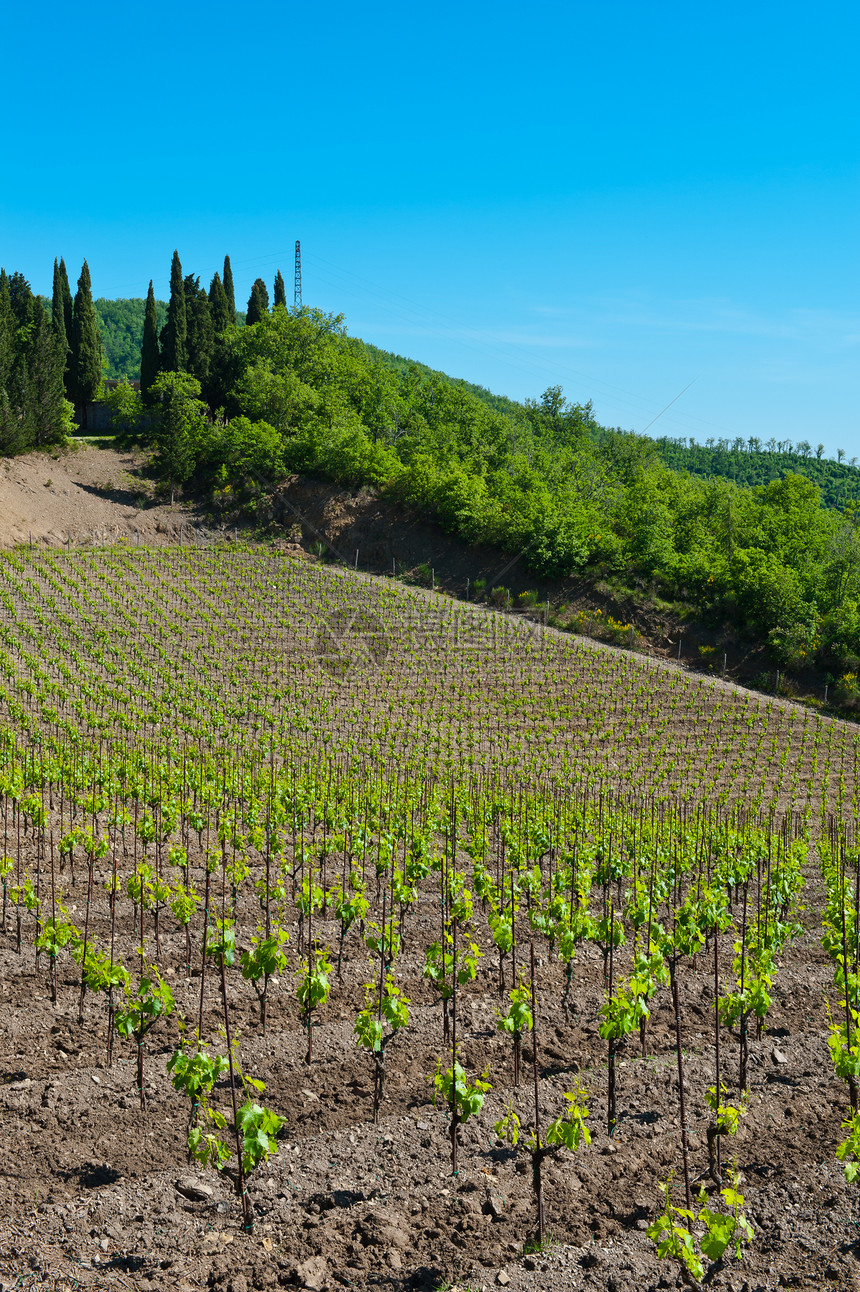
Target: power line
column 669, row 405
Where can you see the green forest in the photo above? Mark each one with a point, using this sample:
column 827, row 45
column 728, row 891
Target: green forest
column 121, row 327
column 752, row 462
column 765, row 536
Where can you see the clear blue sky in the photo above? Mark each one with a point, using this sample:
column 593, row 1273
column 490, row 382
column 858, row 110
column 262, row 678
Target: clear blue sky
column 619, row 197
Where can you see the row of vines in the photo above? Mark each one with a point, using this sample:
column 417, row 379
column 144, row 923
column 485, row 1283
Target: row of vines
column 220, row 765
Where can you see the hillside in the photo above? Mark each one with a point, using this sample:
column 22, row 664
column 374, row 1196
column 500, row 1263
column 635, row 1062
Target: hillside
column 771, row 567
column 399, row 364
column 83, row 495
column 746, row 463
column 258, row 777
column 750, row 463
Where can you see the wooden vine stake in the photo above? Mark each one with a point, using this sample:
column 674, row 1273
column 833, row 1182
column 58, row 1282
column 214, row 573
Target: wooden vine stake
column 681, row 1099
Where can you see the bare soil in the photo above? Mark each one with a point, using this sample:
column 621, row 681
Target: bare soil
column 97, row 1194
column 84, row 494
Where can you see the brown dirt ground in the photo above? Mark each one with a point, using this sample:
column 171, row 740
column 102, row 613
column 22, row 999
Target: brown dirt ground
column 83, row 494
column 96, row 1194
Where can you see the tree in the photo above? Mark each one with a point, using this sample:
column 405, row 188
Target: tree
column 258, row 303
column 842, row 569
column 125, row 404
column 228, row 288
column 11, row 430
column 61, row 313
column 201, row 335
column 23, row 301
column 68, row 302
column 174, row 334
column 47, row 413
column 86, row 357
column 7, row 331
column 222, row 316
column 33, row 408
column 180, row 428
column 11, row 427
column 216, row 389
column 150, row 355
column 280, row 290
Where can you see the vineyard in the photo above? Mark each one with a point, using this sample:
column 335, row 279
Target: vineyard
column 353, row 936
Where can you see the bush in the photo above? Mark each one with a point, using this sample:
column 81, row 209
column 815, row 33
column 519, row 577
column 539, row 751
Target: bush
column 126, row 406
column 556, row 549
column 846, row 693
column 840, row 638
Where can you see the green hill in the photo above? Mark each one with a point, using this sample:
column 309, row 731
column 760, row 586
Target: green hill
column 764, row 538
column 500, row 403
column 749, row 462
column 121, row 325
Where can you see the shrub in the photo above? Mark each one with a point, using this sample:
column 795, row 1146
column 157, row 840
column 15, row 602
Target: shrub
column 847, row 691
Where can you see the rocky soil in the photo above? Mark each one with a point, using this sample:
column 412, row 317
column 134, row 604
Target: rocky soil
column 97, row 1194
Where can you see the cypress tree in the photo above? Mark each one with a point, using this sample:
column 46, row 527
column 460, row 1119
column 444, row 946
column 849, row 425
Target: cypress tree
column 219, row 306
column 66, row 292
column 280, row 290
column 216, row 389
column 10, row 429
column 174, row 334
column 44, row 412
column 264, row 293
column 258, row 303
column 228, row 288
column 150, row 355
column 201, row 334
column 7, row 334
column 61, row 315
column 58, row 313
column 24, row 303
column 180, row 426
column 86, row 357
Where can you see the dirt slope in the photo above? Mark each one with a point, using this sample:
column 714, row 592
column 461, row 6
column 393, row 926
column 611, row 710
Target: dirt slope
column 81, row 494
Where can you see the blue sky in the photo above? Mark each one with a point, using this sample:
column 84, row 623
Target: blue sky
column 621, row 198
